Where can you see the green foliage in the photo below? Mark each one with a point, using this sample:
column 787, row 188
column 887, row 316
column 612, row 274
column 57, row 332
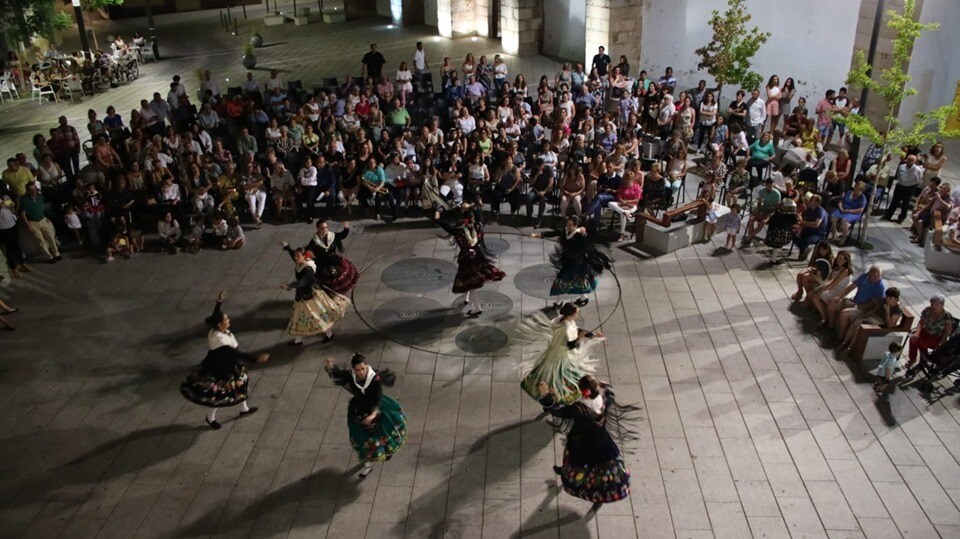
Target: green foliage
column 94, row 5
column 891, row 88
column 248, row 50
column 22, row 20
column 728, row 55
column 61, row 21
column 255, row 33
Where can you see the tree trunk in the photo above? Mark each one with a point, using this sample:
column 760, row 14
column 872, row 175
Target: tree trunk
column 21, row 23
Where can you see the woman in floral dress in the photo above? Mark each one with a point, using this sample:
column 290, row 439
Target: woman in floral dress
column 566, row 357
column 315, row 309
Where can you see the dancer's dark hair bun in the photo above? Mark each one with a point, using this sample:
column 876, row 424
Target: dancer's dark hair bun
column 357, row 359
column 214, row 319
column 567, row 309
column 589, row 383
column 575, row 219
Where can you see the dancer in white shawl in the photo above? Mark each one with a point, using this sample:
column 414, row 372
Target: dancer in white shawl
column 566, row 357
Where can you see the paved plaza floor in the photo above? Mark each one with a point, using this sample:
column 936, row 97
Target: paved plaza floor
column 748, row 426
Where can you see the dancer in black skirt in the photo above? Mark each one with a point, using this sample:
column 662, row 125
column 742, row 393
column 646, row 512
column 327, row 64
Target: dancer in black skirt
column 221, row 379
column 593, row 467
column 334, row 271
column 474, row 267
column 578, row 259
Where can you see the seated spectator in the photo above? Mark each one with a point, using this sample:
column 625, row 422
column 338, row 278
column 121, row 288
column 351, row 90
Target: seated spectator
column 814, row 274
column 933, row 328
column 234, row 237
column 849, row 210
column 941, row 204
column 627, row 198
column 887, row 317
column 870, row 288
column 768, row 199
column 169, row 230
column 762, row 152
column 813, row 227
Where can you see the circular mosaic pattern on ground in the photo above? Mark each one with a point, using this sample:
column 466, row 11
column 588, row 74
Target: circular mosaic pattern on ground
column 536, row 280
column 496, row 246
column 493, row 304
column 411, row 320
column 419, row 275
column 481, row 340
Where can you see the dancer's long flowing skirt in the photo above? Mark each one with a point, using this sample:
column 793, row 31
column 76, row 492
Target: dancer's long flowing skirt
column 473, row 270
column 574, row 279
column 204, row 389
column 385, row 436
column 317, row 314
column 557, row 366
column 344, row 278
column 604, row 482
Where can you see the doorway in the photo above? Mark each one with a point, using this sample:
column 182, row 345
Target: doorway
column 565, row 29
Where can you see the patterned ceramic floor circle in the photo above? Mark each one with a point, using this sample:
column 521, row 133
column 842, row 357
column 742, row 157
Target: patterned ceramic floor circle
column 536, row 280
column 481, row 340
column 411, row 320
column 419, row 275
column 493, row 304
column 496, row 245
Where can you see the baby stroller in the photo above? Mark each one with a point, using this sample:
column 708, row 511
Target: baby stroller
column 780, row 229
column 937, row 365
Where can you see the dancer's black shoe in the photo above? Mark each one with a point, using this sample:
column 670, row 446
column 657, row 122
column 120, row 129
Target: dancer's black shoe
column 581, row 302
column 327, row 339
column 249, row 411
column 474, row 314
column 215, row 425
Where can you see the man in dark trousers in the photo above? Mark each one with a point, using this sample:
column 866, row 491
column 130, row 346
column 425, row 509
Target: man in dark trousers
column 600, row 62
column 373, row 63
column 909, row 175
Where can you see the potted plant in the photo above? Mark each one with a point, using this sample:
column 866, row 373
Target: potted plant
column 256, row 39
column 249, row 61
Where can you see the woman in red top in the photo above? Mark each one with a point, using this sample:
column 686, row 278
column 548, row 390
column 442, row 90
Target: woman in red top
column 628, row 196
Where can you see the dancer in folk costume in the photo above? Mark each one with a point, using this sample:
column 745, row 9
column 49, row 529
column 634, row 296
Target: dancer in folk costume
column 578, row 259
column 377, row 425
column 221, row 379
column 334, row 271
column 566, row 357
column 315, row 309
column 474, row 267
column 593, row 468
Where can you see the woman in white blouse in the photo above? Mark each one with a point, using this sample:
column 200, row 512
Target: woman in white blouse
column 404, row 82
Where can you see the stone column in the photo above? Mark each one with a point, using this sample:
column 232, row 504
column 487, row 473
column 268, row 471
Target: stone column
column 521, row 26
column 615, row 25
column 445, row 17
column 463, row 17
column 482, row 17
column 406, row 12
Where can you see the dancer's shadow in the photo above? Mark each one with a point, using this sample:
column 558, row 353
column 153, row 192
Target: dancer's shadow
column 317, row 496
column 573, row 524
column 266, row 315
column 125, row 454
column 465, row 489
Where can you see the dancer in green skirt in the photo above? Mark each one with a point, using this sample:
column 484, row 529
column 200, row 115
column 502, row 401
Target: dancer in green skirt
column 376, row 422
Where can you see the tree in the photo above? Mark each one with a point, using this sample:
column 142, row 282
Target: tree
column 892, row 89
column 727, row 57
column 24, row 19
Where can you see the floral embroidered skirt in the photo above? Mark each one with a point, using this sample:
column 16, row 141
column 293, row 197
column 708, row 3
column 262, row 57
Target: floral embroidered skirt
column 604, row 482
column 385, row 436
column 317, row 314
column 574, row 280
column 204, row 389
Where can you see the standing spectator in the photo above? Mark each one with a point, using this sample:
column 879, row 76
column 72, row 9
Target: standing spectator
column 885, row 371
column 307, row 189
column 909, row 175
column 842, row 106
column 17, row 177
column 756, row 114
column 420, row 65
column 32, row 216
column 825, row 110
column 667, row 82
column 67, row 151
column 209, row 84
column 9, row 235
column 600, row 62
column 372, row 63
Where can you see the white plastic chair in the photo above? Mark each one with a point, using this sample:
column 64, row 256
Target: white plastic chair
column 147, row 51
column 40, row 91
column 9, row 88
column 72, row 86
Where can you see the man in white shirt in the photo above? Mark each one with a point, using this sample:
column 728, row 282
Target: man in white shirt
column 209, row 83
column 273, row 82
column 396, row 170
column 549, row 157
column 249, row 85
column 149, row 117
column 909, row 175
column 420, row 65
column 756, row 114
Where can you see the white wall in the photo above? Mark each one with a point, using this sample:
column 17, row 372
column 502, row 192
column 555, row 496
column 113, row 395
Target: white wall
column 564, row 28
column 811, row 41
column 430, row 12
column 935, row 64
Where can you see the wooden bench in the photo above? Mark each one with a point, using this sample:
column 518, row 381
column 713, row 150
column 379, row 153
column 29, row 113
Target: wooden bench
column 935, row 257
column 873, row 340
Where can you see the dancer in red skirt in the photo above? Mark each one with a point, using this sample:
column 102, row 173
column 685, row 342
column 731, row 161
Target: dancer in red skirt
column 474, row 267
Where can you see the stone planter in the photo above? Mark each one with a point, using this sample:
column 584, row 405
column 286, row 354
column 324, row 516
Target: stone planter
column 256, row 41
column 249, row 61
